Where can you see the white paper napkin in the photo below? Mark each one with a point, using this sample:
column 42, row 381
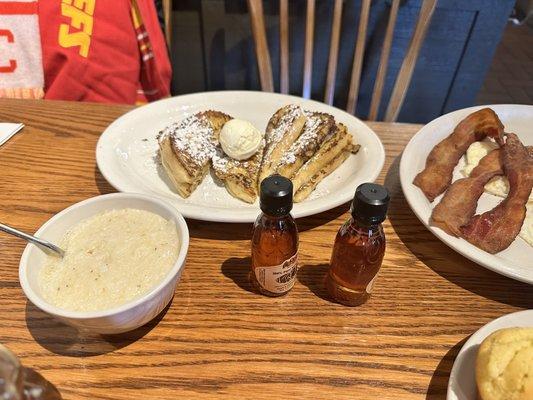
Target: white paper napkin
column 7, row 130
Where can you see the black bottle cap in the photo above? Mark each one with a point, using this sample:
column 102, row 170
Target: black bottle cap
column 276, row 196
column 370, row 203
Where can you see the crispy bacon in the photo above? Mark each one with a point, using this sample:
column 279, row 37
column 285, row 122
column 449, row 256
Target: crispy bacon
column 460, row 200
column 494, row 230
column 437, row 175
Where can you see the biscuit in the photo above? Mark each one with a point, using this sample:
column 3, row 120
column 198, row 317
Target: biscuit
column 504, row 365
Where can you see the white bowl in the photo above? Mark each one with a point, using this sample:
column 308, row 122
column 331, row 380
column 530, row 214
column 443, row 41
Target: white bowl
column 119, row 319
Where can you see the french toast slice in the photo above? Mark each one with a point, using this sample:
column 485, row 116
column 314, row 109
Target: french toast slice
column 186, row 149
column 331, row 154
column 239, row 177
column 315, row 130
column 282, row 130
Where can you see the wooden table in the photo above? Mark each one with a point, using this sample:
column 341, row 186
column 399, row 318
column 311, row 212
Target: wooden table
column 218, row 339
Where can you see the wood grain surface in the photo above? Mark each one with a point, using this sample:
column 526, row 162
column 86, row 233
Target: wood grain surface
column 358, row 57
column 308, row 48
column 218, row 339
column 167, row 16
column 383, row 62
column 262, row 54
column 284, row 46
column 409, row 62
column 333, row 53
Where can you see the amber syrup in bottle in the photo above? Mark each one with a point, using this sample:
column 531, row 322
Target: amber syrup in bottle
column 275, row 239
column 359, row 247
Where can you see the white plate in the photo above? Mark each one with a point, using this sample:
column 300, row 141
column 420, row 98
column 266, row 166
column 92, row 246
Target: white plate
column 462, row 383
column 126, row 152
column 517, row 260
column 7, row 130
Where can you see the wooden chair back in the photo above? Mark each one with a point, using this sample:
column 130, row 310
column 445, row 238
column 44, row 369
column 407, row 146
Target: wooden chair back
column 403, row 79
column 167, row 16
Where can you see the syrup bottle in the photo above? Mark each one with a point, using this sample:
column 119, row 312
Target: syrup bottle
column 359, row 247
column 275, row 239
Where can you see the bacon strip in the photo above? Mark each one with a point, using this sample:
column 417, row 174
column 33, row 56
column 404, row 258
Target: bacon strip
column 460, row 200
column 494, row 230
column 437, row 175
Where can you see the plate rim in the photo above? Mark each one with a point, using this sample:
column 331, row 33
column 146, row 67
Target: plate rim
column 249, row 215
column 494, row 265
column 474, row 337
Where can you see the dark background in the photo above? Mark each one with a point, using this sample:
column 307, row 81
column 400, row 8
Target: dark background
column 212, row 49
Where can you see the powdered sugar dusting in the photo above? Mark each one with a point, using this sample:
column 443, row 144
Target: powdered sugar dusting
column 222, row 163
column 288, row 158
column 194, row 137
column 275, row 136
column 309, row 134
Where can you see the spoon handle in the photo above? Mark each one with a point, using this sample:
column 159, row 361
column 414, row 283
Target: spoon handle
column 32, row 239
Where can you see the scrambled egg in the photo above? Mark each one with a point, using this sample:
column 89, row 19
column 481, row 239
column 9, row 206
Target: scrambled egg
column 498, row 186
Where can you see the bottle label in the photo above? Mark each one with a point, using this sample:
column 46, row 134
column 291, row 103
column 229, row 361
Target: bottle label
column 278, row 278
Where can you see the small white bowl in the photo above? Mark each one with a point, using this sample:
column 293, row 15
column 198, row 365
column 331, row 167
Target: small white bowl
column 119, row 319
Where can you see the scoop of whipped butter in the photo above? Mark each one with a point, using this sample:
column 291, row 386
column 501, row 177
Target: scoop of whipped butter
column 240, row 139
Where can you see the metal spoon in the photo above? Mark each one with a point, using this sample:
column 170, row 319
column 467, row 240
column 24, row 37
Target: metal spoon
column 32, row 239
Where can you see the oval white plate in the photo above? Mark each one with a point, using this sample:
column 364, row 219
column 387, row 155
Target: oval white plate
column 462, row 383
column 517, row 260
column 126, row 153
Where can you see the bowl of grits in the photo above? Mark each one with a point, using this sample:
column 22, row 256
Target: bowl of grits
column 124, row 254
